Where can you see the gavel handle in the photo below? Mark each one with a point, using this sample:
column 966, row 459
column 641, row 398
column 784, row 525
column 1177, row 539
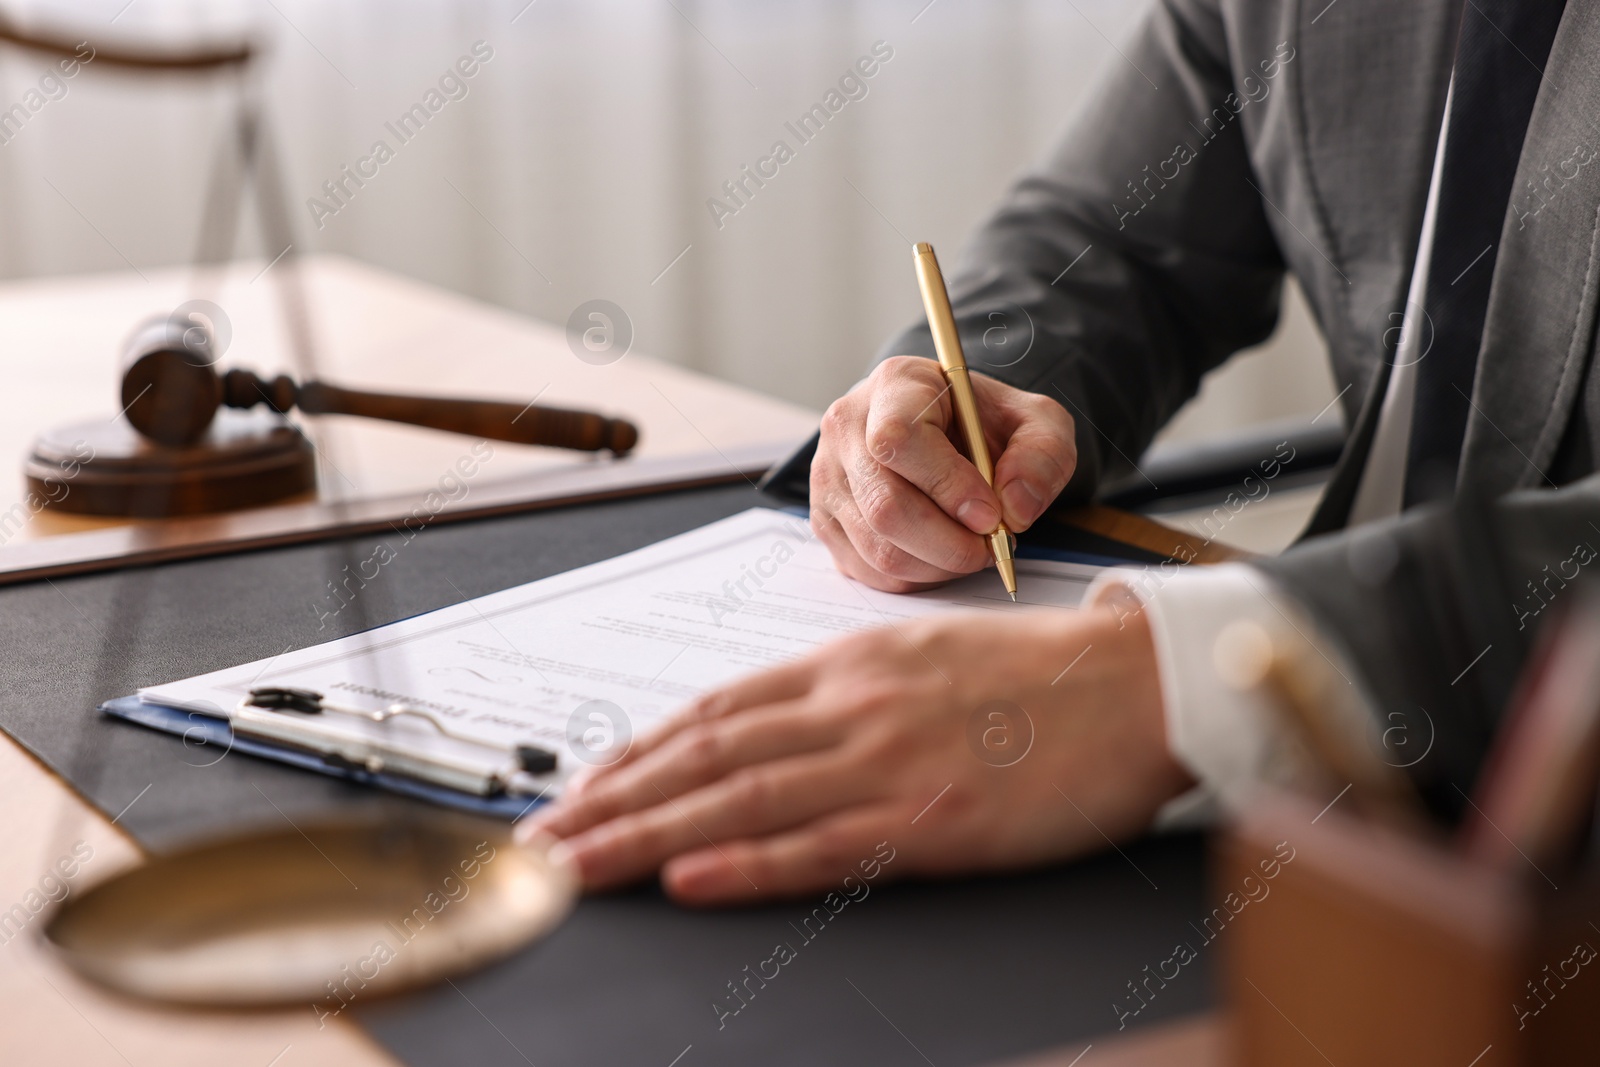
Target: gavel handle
column 494, row 419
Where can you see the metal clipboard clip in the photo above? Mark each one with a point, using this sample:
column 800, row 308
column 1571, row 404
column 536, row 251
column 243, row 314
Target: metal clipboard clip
column 380, row 741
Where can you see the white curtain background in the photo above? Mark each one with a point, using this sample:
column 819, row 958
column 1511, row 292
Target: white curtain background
column 579, row 163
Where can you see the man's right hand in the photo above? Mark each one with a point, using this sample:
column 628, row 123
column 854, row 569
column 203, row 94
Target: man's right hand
column 899, row 506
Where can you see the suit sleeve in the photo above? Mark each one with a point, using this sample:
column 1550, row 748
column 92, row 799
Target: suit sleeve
column 1136, row 257
column 1438, row 609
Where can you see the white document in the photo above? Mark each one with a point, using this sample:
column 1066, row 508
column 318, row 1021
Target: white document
column 581, row 662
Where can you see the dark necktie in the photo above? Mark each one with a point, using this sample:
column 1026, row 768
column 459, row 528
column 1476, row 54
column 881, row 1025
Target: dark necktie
column 1500, row 58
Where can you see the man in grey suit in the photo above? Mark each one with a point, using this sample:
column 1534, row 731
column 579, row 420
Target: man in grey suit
column 1427, row 164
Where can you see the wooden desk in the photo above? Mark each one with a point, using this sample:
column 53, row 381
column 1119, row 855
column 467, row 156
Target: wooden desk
column 628, row 975
column 62, row 340
column 47, row 1014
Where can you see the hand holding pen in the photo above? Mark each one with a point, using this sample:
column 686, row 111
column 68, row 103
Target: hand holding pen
column 894, row 498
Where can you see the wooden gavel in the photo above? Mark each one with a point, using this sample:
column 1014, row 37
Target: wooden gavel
column 171, row 391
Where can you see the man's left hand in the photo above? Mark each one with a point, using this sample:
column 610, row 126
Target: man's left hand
column 968, row 743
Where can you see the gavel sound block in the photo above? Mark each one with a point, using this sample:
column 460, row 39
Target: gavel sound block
column 190, row 446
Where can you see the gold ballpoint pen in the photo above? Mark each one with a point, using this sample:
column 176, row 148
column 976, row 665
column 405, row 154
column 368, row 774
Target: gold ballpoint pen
column 947, row 342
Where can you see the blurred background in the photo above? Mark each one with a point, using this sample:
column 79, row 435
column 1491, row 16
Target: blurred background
column 579, row 162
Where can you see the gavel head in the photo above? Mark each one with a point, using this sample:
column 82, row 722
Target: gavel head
column 170, row 386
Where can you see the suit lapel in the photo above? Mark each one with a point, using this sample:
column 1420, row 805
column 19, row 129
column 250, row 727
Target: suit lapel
column 1539, row 331
column 1371, row 85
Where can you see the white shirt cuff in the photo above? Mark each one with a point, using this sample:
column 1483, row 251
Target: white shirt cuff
column 1231, row 740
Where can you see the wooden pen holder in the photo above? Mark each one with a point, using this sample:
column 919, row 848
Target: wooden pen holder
column 1374, row 948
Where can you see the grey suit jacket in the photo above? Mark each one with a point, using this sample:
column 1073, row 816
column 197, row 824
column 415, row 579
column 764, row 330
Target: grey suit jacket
column 1245, row 138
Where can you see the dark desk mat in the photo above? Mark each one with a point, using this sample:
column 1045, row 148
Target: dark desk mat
column 952, row 973
column 949, row 973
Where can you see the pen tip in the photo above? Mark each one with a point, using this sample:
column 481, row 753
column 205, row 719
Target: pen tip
column 1013, row 597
